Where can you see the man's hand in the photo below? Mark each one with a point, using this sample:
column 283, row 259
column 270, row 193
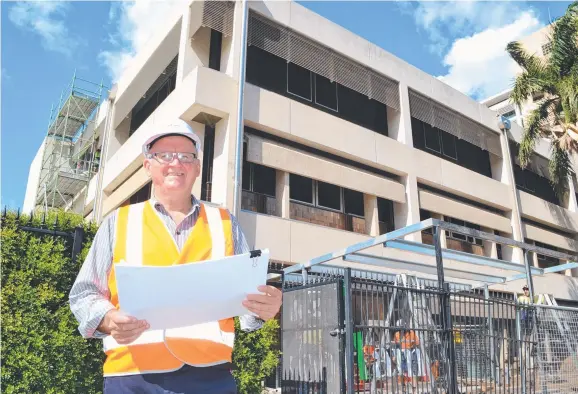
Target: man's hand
column 266, row 305
column 123, row 328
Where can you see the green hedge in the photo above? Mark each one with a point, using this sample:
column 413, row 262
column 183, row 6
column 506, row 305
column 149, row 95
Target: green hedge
column 42, row 351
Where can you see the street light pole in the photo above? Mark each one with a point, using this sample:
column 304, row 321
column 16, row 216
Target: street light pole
column 504, row 125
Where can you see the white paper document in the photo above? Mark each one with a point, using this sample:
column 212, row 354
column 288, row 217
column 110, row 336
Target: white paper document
column 187, row 294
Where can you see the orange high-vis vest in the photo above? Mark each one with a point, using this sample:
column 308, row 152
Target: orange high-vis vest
column 141, row 237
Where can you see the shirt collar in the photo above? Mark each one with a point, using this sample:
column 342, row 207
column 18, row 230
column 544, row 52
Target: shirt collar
column 196, row 204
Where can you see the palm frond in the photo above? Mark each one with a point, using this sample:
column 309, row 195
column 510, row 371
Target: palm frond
column 527, row 84
column 560, row 168
column 535, row 122
column 564, row 55
column 518, row 54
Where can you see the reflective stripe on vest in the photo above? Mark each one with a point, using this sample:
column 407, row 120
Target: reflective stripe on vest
column 141, row 237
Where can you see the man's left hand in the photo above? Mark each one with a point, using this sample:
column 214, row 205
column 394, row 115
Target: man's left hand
column 266, row 305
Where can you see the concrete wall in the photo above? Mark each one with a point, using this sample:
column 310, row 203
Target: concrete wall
column 33, row 180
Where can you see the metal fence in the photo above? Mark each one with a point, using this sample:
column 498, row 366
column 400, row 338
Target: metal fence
column 346, row 330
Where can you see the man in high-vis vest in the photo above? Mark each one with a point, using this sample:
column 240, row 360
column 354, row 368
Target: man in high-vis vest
column 173, row 227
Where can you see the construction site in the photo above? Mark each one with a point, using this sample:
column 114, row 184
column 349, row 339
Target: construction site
column 356, row 322
column 70, row 154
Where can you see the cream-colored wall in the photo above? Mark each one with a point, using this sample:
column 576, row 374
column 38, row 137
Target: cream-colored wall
column 295, row 121
column 542, row 211
column 134, row 183
column 275, row 155
column 549, row 238
column 459, row 210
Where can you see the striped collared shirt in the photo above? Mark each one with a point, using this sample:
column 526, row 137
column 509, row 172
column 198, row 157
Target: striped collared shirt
column 90, row 296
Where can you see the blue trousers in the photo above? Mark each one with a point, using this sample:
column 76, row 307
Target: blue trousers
column 187, row 380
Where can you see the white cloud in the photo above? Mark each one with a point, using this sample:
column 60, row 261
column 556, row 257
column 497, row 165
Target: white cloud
column 133, row 25
column 479, row 65
column 456, row 18
column 45, row 18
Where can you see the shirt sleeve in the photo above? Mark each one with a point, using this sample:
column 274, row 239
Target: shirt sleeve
column 90, row 297
column 248, row 322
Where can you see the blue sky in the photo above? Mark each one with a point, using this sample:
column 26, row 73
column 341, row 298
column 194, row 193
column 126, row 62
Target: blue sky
column 43, row 43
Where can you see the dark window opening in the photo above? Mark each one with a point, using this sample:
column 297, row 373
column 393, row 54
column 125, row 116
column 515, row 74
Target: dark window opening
column 266, row 70
column 215, row 48
column 385, row 215
column 142, row 195
column 290, row 80
column 257, row 178
column 300, row 188
column 545, row 261
column 445, row 145
column 328, row 196
column 299, row 81
column 353, row 201
column 207, row 172
column 325, row 92
column 148, row 104
column 425, row 215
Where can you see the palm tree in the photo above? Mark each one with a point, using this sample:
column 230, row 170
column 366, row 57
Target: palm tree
column 556, row 115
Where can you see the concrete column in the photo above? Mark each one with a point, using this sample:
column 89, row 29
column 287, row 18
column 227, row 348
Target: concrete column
column 224, row 163
column 199, row 130
column 515, row 218
column 371, row 215
column 408, row 213
column 572, row 201
column 190, row 57
column 490, row 248
column 399, row 123
column 282, row 194
column 231, row 49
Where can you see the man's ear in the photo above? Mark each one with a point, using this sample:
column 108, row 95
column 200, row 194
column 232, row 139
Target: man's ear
column 146, row 164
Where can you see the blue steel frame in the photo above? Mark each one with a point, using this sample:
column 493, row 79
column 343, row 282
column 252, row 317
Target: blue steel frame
column 392, row 240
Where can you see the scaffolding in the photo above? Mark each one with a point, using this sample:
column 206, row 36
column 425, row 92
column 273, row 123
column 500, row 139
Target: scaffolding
column 71, row 154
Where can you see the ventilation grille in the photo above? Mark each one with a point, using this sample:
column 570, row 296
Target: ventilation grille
column 219, row 15
column 458, row 125
column 504, row 110
column 296, row 48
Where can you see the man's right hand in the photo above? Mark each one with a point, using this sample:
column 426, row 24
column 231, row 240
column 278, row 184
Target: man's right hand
column 123, row 328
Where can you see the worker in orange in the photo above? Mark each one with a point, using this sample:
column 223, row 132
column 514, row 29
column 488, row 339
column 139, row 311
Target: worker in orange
column 408, row 342
column 173, row 227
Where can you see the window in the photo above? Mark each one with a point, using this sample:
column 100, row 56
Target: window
column 325, row 92
column 547, row 48
column 354, row 203
column 424, row 215
column 385, row 215
column 258, row 178
column 432, row 138
column 142, row 195
column 299, row 81
column 463, row 237
column 147, row 105
column 449, row 146
column 328, row 196
column 291, row 80
column 300, row 188
column 510, row 115
column 547, row 261
column 266, row 70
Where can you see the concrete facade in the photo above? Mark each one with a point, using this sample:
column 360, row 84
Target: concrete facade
column 363, row 182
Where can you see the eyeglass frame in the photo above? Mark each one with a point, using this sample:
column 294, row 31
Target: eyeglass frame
column 153, row 155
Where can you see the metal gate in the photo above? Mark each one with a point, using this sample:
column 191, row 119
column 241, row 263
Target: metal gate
column 313, row 334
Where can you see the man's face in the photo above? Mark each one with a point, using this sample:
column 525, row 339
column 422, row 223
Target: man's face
column 526, row 291
column 175, row 175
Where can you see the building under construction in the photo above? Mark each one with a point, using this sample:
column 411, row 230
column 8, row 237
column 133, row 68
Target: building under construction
column 71, row 151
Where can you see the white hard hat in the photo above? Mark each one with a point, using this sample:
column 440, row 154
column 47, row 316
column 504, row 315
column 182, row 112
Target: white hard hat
column 176, row 127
